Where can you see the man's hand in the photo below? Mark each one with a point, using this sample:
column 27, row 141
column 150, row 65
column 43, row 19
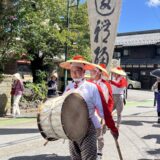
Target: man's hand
column 115, row 134
column 104, row 129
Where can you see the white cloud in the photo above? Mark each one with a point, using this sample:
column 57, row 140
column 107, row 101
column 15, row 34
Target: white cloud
column 153, row 3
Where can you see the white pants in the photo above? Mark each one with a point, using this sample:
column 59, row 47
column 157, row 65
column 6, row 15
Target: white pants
column 16, row 100
column 118, row 105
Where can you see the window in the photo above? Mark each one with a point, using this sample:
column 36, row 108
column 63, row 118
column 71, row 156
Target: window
column 158, row 51
column 117, row 55
column 125, row 52
column 135, row 76
column 143, row 73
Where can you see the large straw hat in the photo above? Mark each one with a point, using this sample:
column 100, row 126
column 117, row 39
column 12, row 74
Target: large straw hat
column 77, row 60
column 17, row 76
column 118, row 70
column 101, row 67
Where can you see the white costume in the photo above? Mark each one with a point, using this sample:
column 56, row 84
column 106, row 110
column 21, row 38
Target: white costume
column 91, row 96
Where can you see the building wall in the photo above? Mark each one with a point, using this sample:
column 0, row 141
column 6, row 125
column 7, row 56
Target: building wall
column 137, row 69
column 141, row 52
column 10, row 67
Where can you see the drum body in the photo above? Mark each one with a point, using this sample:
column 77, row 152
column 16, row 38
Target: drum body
column 63, row 117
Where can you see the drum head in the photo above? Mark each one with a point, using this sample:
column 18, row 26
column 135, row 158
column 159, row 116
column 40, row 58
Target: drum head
column 74, row 117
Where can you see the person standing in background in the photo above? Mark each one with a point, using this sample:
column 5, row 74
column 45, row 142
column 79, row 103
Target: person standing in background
column 156, row 89
column 52, row 86
column 16, row 92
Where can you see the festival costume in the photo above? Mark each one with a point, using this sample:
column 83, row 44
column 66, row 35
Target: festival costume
column 86, row 148
column 107, row 92
column 118, row 87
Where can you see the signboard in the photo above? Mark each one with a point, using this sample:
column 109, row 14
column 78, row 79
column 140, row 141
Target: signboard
column 103, row 20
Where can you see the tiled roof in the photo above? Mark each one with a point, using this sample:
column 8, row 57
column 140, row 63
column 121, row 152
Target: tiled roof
column 138, row 39
column 140, row 61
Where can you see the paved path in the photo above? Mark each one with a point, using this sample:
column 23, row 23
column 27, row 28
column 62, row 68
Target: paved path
column 139, row 139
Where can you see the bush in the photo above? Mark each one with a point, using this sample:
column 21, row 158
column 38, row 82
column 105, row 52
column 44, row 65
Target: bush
column 1, row 77
column 41, row 76
column 35, row 92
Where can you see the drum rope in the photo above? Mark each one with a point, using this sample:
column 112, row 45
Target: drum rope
column 42, row 120
column 50, row 120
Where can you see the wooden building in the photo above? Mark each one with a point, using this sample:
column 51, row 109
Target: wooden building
column 139, row 53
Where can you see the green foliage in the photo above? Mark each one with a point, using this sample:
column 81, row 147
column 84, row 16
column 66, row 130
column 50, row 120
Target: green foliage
column 39, row 91
column 35, row 27
column 41, row 76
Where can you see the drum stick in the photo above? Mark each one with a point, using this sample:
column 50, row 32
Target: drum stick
column 46, row 143
column 118, row 149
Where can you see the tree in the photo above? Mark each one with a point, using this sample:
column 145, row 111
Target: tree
column 38, row 28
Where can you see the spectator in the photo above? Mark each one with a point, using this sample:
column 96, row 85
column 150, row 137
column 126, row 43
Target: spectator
column 156, row 89
column 16, row 92
column 52, row 86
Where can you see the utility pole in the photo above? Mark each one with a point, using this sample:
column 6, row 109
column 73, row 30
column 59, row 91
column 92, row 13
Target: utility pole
column 66, row 46
column 70, row 4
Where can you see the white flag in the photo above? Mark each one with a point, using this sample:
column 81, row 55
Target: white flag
column 103, row 19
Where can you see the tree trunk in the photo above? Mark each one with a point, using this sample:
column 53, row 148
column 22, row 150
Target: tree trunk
column 36, row 64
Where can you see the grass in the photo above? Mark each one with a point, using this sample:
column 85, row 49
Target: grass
column 14, row 121
column 140, row 103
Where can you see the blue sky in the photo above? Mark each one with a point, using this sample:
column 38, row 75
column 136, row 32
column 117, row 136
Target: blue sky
column 139, row 15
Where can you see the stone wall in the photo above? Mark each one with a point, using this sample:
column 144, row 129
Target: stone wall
column 5, row 97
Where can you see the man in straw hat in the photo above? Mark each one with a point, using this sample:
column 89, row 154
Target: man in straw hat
column 86, row 148
column 98, row 75
column 119, row 84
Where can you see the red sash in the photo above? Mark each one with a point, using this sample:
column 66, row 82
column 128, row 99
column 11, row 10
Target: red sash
column 107, row 114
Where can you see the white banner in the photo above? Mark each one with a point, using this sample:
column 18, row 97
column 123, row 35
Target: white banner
column 103, row 19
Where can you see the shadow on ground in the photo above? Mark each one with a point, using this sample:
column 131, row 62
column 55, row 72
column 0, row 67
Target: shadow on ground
column 7, row 131
column 136, row 122
column 148, row 159
column 156, row 125
column 145, row 107
column 153, row 136
column 154, row 152
column 41, row 157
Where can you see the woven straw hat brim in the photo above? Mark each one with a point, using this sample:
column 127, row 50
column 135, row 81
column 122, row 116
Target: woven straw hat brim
column 92, row 66
column 67, row 64
column 120, row 72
